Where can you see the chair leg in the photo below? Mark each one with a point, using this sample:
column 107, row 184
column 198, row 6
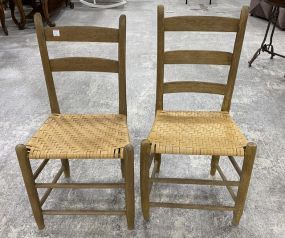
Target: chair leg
column 129, row 179
column 66, row 168
column 123, row 167
column 249, row 157
column 144, row 177
column 157, row 157
column 2, row 18
column 27, row 173
column 214, row 164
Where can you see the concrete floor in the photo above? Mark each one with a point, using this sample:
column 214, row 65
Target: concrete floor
column 258, row 107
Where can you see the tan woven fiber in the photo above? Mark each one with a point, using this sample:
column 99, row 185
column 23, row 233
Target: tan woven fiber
column 196, row 133
column 80, row 136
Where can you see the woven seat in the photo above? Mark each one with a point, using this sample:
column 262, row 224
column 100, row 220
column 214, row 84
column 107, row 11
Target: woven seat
column 196, row 133
column 80, row 136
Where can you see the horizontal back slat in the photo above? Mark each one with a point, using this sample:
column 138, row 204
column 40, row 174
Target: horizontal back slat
column 194, row 86
column 82, row 34
column 84, row 64
column 197, row 57
column 201, row 23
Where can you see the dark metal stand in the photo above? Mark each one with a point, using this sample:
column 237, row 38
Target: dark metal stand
column 209, row 2
column 268, row 47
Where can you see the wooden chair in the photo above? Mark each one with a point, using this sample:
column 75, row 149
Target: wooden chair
column 80, row 136
column 197, row 133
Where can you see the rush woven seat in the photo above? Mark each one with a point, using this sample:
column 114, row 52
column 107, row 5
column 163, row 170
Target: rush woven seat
column 196, row 133
column 80, row 136
column 202, row 133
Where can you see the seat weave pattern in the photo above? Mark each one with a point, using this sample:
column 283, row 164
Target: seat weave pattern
column 196, row 133
column 80, row 136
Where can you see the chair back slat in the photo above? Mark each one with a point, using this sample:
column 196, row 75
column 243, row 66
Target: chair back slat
column 201, row 23
column 197, row 57
column 92, row 64
column 198, row 23
column 194, row 86
column 84, row 64
column 82, row 34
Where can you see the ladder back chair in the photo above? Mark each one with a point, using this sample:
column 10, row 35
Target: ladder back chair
column 197, row 132
column 80, row 136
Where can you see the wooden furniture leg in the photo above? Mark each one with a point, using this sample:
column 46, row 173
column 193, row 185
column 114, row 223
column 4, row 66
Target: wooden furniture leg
column 144, row 177
column 2, row 18
column 46, row 13
column 157, row 158
column 19, row 5
column 129, row 187
column 27, row 173
column 249, row 157
column 66, row 168
column 214, row 164
column 123, row 167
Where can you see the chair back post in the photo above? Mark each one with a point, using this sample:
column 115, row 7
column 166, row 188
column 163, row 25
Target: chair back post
column 46, row 63
column 160, row 56
column 122, row 66
column 235, row 59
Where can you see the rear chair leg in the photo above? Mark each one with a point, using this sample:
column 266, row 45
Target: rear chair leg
column 214, row 164
column 123, row 167
column 129, row 179
column 157, row 158
column 27, row 173
column 66, row 169
column 144, row 177
column 247, row 166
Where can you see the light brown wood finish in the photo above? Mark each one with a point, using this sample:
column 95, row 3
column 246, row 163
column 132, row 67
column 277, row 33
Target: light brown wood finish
column 236, row 166
column 82, row 34
column 94, row 34
column 144, row 175
column 80, row 185
column 235, row 59
column 46, row 63
column 48, row 191
column 40, row 169
column 27, row 173
column 195, row 181
column 214, row 164
column 122, row 66
column 129, row 185
column 225, row 180
column 197, row 87
column 197, row 57
column 148, row 151
column 85, row 212
column 201, row 23
column 191, row 206
column 84, row 64
column 250, row 152
column 160, row 58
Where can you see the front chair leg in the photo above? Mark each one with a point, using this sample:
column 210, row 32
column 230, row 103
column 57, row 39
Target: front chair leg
column 129, row 179
column 27, row 173
column 247, row 166
column 144, row 177
column 66, row 168
column 214, row 164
